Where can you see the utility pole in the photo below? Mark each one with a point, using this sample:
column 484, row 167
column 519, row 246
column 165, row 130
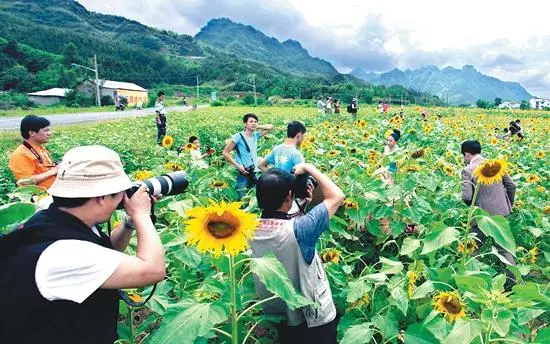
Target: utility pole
column 254, row 86
column 197, row 88
column 96, row 72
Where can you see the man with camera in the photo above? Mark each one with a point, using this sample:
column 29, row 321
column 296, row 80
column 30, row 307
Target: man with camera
column 245, row 143
column 31, row 163
column 293, row 241
column 59, row 273
column 160, row 112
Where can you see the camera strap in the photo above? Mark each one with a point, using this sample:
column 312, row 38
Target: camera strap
column 36, row 155
column 247, row 149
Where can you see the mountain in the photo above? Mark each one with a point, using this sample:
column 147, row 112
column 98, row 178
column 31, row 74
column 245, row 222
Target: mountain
column 249, row 43
column 463, row 86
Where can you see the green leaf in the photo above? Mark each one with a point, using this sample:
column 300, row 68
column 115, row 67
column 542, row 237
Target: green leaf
column 498, row 283
column 390, row 267
column 543, row 337
column 437, row 325
column 180, row 206
column 387, row 324
column 188, row 256
column 14, row 213
column 409, row 246
column 500, row 322
column 439, row 238
column 273, row 275
column 474, row 284
column 356, row 290
column 376, row 277
column 525, row 315
column 417, row 334
column 464, row 332
column 498, row 228
column 423, row 290
column 358, row 334
column 531, row 292
column 398, row 297
column 187, row 326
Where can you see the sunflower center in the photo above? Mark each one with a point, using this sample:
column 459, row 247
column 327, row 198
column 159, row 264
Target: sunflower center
column 452, row 305
column 491, row 170
column 222, row 226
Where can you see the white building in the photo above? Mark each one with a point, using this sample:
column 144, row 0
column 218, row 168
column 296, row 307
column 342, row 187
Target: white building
column 509, row 105
column 539, row 103
column 48, row 97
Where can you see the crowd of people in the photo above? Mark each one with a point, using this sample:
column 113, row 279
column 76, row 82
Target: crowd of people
column 62, row 264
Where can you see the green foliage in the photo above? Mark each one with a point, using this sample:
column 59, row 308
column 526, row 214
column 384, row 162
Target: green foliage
column 483, row 104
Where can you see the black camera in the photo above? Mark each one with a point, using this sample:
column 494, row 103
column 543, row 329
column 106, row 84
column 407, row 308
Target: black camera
column 251, row 176
column 301, row 183
column 173, row 183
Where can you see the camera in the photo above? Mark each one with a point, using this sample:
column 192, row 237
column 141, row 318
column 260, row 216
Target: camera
column 301, row 183
column 173, row 183
column 251, row 174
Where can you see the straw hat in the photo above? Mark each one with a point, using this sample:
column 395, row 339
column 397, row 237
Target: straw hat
column 90, row 171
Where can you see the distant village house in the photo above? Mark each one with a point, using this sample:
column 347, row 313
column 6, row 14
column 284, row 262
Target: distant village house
column 48, row 97
column 539, row 103
column 134, row 93
column 509, row 105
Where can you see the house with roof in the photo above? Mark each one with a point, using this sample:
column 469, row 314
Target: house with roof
column 48, row 97
column 134, row 93
column 539, row 103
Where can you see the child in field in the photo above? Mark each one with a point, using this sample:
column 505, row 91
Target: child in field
column 195, row 152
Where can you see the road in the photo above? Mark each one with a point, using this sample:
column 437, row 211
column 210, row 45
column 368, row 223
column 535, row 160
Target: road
column 13, row 123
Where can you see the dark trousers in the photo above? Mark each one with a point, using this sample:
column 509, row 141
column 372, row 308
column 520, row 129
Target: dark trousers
column 301, row 334
column 161, row 130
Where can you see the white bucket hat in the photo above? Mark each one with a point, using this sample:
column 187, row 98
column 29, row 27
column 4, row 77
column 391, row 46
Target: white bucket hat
column 90, row 171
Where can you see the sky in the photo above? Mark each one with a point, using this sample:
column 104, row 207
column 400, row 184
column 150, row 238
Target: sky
column 506, row 39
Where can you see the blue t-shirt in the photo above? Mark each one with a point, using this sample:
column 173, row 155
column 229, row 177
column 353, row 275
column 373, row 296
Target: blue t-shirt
column 285, row 157
column 244, row 157
column 308, row 229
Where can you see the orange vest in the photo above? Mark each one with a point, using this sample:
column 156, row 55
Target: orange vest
column 24, row 164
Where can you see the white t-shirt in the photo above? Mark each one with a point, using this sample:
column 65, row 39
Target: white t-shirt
column 198, row 159
column 74, row 269
column 159, row 107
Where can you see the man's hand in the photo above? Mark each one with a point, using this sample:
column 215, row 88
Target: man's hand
column 242, row 170
column 300, row 168
column 139, row 204
column 53, row 170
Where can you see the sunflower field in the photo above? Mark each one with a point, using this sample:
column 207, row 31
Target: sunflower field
column 399, row 255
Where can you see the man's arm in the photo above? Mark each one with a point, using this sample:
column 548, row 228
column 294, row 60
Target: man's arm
column 334, row 196
column 266, row 128
column 510, row 187
column 148, row 266
column 121, row 235
column 229, row 157
column 467, row 186
column 23, row 167
column 264, row 163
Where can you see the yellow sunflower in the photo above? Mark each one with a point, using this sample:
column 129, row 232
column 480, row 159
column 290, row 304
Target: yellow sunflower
column 173, row 166
column 220, row 228
column 332, row 153
column 533, row 178
column 494, row 140
column 189, row 147
column 467, row 246
column 350, row 204
column 539, row 155
column 533, row 255
column 167, row 141
column 418, row 154
column 546, row 210
column 331, row 255
column 218, row 184
column 491, row 171
column 413, row 277
column 449, row 170
column 141, row 175
column 450, row 304
column 366, row 136
column 412, row 168
column 427, row 128
column 362, row 123
column 134, row 295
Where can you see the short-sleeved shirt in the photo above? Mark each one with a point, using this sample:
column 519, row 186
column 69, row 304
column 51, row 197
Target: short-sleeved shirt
column 74, row 269
column 285, row 157
column 198, row 160
column 308, row 229
column 244, row 157
column 159, row 108
column 24, row 164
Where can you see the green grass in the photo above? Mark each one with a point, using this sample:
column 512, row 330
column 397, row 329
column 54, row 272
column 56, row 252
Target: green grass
column 53, row 110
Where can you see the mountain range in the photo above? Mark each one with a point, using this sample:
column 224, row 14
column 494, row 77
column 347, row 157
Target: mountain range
column 457, row 86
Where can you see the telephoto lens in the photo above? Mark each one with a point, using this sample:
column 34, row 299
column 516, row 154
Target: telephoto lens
column 173, row 183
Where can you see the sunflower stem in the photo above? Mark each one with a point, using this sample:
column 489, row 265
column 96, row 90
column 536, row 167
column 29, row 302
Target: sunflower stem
column 234, row 324
column 470, row 216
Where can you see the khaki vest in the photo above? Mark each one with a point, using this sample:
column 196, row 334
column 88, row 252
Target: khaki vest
column 277, row 236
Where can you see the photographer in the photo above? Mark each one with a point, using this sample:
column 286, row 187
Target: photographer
column 59, row 272
column 245, row 144
column 31, row 163
column 293, row 241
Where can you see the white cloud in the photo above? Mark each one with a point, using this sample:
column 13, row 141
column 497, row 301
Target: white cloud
column 501, row 38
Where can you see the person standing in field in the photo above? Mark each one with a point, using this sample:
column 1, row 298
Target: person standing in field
column 336, row 106
column 320, row 105
column 245, row 144
column 287, row 155
column 328, row 106
column 496, row 199
column 353, row 108
column 160, row 112
column 195, row 152
column 31, row 163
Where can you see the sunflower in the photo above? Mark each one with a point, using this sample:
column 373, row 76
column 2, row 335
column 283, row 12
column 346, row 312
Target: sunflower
column 362, row 301
column 331, row 255
column 353, row 150
column 173, row 166
column 388, row 133
column 350, row 204
column 141, row 175
column 134, row 295
column 540, row 189
column 546, row 210
column 494, row 140
column 533, row 255
column 412, row 131
column 539, row 155
column 366, row 136
column 202, row 295
column 220, row 228
column 413, row 277
column 418, row 154
column 167, row 141
column 218, row 184
column 427, row 128
column 449, row 170
column 412, row 168
column 533, row 178
column 450, row 304
column 343, row 142
column 491, row 171
column 362, row 123
column 467, row 247
column 332, row 153
column 189, row 147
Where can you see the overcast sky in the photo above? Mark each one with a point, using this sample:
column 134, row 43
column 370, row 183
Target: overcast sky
column 506, row 39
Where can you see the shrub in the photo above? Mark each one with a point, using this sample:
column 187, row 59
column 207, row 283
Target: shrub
column 217, row 103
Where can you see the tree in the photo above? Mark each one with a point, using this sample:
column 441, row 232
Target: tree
column 524, row 105
column 498, row 101
column 16, row 78
column 482, row 104
column 70, row 54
